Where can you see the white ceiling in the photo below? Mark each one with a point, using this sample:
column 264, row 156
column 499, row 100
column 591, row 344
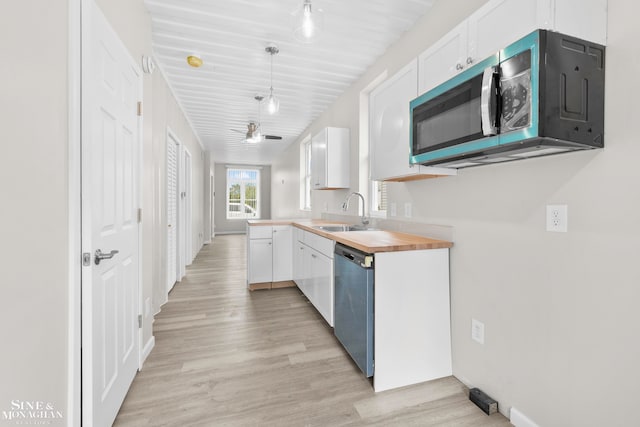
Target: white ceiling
column 231, row 36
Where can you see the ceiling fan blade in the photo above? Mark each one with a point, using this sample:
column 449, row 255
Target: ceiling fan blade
column 272, row 137
column 239, row 131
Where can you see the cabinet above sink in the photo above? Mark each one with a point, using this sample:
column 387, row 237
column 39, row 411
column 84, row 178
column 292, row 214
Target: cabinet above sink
column 330, row 159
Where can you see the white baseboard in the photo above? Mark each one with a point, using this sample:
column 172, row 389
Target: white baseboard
column 146, row 351
column 518, row 419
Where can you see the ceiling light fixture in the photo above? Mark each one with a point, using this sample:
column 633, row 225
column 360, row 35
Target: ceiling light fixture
column 307, row 22
column 253, row 130
column 194, row 60
column 273, row 105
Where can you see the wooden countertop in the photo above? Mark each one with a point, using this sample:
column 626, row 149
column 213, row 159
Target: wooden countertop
column 370, row 241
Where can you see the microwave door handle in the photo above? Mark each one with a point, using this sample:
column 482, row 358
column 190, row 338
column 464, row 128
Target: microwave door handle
column 488, row 102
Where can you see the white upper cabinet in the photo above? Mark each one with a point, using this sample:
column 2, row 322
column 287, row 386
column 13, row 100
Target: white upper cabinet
column 586, row 19
column 330, row 159
column 501, row 22
column 389, row 123
column 444, row 59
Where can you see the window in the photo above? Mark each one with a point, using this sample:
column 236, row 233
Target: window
column 243, row 193
column 378, row 198
column 305, row 174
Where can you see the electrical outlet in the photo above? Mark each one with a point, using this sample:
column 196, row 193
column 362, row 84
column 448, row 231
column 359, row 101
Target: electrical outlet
column 393, row 209
column 557, row 218
column 407, row 210
column 477, row 331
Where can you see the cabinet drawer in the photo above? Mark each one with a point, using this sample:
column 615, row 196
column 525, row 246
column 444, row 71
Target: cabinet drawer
column 319, row 243
column 260, row 232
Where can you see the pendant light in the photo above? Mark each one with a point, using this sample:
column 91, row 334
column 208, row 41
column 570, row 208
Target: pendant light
column 273, row 105
column 307, row 22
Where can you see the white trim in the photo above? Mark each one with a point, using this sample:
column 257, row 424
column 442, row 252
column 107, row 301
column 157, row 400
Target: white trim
column 146, row 351
column 74, row 386
column 518, row 419
column 173, row 93
column 140, row 178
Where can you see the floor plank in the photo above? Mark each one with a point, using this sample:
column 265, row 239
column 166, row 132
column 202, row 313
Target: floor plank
column 226, row 356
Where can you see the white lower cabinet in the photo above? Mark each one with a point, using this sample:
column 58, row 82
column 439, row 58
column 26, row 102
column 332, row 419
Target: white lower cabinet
column 260, row 260
column 321, row 284
column 298, row 264
column 282, row 237
column 412, row 333
column 313, row 272
column 269, row 256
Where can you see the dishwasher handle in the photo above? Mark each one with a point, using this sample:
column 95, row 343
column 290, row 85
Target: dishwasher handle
column 356, row 256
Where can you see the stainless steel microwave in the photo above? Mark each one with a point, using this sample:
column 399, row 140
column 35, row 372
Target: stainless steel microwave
column 542, row 95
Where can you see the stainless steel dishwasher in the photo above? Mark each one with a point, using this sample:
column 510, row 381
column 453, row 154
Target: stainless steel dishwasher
column 353, row 322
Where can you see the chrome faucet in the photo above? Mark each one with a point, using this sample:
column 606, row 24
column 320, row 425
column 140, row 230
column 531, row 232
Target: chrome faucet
column 345, row 206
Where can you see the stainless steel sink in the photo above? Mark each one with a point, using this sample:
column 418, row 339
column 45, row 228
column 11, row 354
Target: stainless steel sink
column 340, row 228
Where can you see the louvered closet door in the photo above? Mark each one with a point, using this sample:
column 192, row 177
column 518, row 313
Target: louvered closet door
column 172, row 211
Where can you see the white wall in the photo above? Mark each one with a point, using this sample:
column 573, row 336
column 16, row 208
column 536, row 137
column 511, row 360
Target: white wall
column 34, row 242
column 34, row 221
column 560, row 310
column 285, row 185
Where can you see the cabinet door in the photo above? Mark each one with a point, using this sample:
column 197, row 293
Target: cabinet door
column 444, row 59
column 319, row 160
column 282, row 253
column 586, row 19
column 260, row 260
column 337, row 166
column 322, row 273
column 298, row 264
column 499, row 23
column 389, row 124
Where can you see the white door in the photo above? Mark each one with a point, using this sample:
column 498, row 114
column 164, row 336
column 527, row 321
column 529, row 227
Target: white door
column 172, row 211
column 111, row 88
column 188, row 253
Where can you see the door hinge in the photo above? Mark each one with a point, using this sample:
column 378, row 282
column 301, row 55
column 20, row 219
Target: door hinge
column 139, row 215
column 86, row 259
column 139, row 321
column 139, row 108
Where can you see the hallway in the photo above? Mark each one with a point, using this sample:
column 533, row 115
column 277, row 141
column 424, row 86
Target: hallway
column 225, row 356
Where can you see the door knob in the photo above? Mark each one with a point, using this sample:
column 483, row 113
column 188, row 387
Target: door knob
column 100, row 256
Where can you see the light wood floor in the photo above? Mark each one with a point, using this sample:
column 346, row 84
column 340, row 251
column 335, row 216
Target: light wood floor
column 225, row 356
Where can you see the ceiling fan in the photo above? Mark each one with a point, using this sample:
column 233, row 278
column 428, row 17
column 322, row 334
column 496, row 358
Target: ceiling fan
column 253, row 134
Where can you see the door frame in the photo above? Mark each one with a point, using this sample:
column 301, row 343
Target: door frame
column 74, row 371
column 74, row 175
